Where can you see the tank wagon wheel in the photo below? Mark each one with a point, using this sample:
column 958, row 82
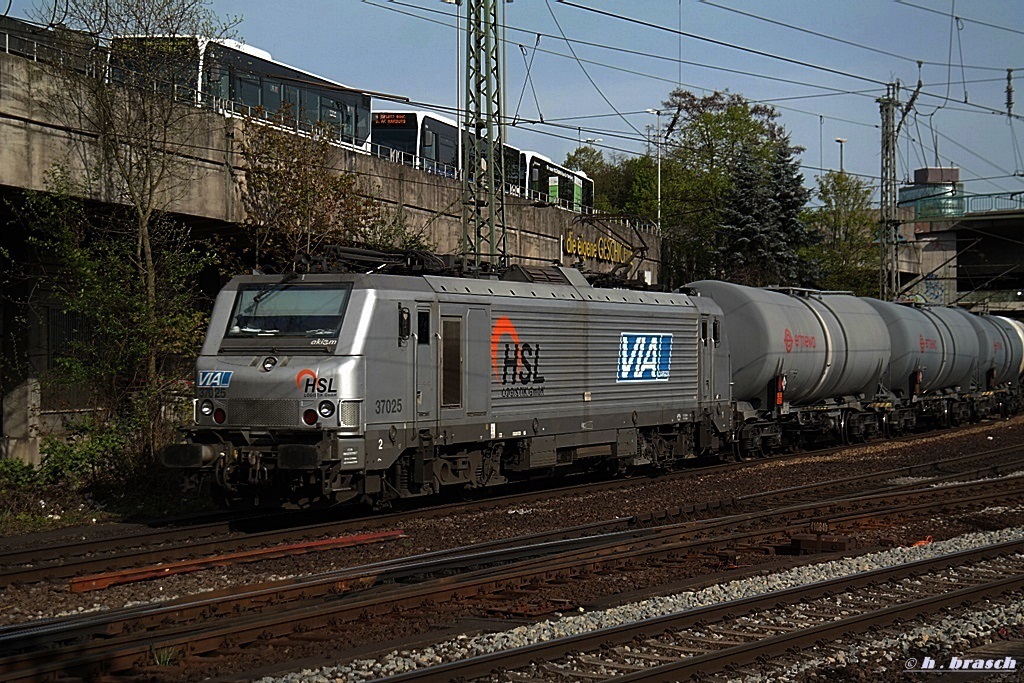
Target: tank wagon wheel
column 844, row 427
column 947, row 418
column 888, row 429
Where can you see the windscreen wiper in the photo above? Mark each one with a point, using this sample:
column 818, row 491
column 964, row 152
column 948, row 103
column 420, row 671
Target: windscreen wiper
column 288, row 277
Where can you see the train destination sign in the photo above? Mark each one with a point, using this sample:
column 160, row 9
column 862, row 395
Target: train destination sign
column 393, row 118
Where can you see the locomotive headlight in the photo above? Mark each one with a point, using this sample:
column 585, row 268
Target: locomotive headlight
column 206, row 407
column 326, row 409
column 268, row 363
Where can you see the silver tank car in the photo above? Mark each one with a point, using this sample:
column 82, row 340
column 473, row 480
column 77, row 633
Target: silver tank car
column 1014, row 335
column 933, row 348
column 346, row 387
column 994, row 365
column 825, row 345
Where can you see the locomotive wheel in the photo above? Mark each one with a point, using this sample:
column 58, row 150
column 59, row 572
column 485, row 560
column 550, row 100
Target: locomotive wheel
column 224, row 498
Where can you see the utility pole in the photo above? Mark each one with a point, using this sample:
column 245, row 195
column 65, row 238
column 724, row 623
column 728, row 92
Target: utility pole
column 657, row 112
column 483, row 163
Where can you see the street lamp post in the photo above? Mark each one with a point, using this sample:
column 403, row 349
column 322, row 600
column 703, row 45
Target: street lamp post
column 841, row 141
column 657, row 112
column 591, row 141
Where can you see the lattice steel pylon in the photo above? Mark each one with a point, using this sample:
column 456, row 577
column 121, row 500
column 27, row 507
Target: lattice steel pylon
column 888, row 237
column 483, row 163
column 889, row 233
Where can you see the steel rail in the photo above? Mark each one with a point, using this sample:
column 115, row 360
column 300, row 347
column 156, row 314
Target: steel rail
column 529, row 564
column 486, row 665
column 30, row 565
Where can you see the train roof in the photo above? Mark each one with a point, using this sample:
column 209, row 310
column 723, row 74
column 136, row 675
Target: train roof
column 256, row 53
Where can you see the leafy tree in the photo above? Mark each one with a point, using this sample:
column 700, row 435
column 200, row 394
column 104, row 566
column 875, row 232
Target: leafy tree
column 761, row 231
column 746, row 239
column 724, row 153
column 126, row 271
column 296, row 203
column 588, row 159
column 844, row 226
column 795, row 235
column 92, row 270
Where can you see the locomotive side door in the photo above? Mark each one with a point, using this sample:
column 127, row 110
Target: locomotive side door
column 427, row 343
column 464, row 362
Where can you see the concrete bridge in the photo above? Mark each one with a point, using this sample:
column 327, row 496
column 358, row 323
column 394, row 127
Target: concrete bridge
column 33, row 139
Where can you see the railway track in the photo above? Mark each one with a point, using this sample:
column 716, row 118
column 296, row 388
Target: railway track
column 82, row 558
column 121, row 639
column 730, row 636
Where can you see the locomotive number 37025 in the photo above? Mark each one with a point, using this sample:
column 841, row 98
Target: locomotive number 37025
column 386, row 406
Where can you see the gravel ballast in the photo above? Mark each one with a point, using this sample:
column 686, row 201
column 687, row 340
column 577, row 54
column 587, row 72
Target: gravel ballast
column 399, row 661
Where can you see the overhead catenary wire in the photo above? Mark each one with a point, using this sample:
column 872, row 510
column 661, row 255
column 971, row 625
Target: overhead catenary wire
column 966, row 19
column 837, row 39
column 541, row 127
column 723, row 43
column 762, row 53
column 867, row 93
column 586, row 73
column 648, row 55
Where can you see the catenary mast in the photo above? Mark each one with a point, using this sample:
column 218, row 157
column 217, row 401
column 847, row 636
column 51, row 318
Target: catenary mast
column 483, row 178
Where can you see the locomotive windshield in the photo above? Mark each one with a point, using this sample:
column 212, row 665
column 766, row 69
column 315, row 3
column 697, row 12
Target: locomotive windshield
column 283, row 309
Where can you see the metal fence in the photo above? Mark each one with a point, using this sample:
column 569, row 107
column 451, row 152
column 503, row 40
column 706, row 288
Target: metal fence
column 949, row 206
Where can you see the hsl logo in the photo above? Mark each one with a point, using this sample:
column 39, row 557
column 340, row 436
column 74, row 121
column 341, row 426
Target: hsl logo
column 308, row 381
column 520, row 362
column 214, row 378
column 644, row 357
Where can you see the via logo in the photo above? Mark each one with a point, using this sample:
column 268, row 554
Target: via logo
column 214, row 378
column 644, row 357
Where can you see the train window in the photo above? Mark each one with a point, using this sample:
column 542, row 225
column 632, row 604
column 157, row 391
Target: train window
column 451, row 363
column 429, row 150
column 248, row 90
column 423, row 327
column 287, row 309
column 704, row 332
column 217, row 83
column 291, row 102
column 271, row 96
column 716, row 331
column 309, row 108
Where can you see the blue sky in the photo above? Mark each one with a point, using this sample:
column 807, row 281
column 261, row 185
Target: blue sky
column 409, row 48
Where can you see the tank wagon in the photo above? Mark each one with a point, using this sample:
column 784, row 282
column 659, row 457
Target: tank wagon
column 341, row 387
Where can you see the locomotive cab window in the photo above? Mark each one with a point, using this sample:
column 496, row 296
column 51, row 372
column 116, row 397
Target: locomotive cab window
column 286, row 309
column 716, row 331
column 704, row 332
column 451, row 363
column 423, row 327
